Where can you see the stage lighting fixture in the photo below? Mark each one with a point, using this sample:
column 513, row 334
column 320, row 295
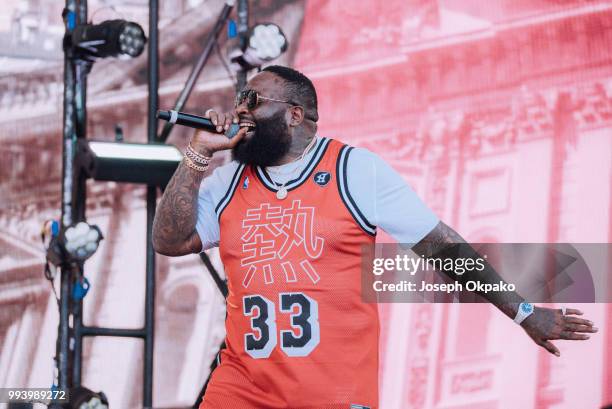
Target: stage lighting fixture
column 152, row 164
column 112, row 38
column 81, row 240
column 84, row 398
column 266, row 43
column 76, row 243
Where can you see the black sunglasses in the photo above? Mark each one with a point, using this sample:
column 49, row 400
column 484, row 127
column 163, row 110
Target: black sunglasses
column 253, row 98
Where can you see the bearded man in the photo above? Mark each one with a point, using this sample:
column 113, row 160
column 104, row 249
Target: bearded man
column 291, row 213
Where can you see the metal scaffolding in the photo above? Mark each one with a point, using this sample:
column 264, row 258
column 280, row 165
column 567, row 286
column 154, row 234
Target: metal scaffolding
column 71, row 329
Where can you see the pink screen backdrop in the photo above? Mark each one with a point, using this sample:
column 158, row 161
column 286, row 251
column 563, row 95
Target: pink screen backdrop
column 498, row 113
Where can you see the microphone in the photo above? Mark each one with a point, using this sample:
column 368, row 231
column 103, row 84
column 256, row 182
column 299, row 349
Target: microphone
column 194, row 121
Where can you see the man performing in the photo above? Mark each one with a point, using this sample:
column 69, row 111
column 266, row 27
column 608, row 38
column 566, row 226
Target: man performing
column 290, row 215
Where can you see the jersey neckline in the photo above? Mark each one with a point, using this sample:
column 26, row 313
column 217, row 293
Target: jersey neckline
column 319, row 150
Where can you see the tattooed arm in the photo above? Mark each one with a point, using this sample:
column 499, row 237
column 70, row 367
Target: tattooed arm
column 543, row 325
column 174, row 226
column 444, row 242
column 174, row 232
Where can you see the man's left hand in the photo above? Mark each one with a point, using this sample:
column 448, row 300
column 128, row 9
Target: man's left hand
column 546, row 324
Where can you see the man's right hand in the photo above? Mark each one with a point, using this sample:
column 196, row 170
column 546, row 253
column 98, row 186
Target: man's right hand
column 174, row 231
column 207, row 143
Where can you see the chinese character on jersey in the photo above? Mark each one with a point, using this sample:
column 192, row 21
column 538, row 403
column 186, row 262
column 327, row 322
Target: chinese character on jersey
column 273, row 236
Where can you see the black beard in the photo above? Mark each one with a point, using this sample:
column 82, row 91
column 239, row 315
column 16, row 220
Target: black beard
column 268, row 145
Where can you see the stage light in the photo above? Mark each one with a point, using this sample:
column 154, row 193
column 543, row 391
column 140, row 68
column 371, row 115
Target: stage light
column 76, row 243
column 152, row 164
column 266, row 43
column 81, row 241
column 84, row 398
column 110, row 38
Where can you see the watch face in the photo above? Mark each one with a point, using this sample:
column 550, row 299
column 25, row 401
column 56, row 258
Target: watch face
column 527, row 308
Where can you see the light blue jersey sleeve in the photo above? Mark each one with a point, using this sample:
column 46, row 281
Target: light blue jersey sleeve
column 212, row 190
column 385, row 199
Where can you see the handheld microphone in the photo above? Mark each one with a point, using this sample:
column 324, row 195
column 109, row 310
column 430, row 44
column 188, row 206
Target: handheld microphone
column 194, row 121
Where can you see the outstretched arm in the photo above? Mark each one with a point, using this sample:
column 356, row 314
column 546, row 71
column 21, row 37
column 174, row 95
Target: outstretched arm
column 543, row 325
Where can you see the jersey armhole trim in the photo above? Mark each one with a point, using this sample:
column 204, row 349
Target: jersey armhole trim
column 230, row 191
column 347, row 199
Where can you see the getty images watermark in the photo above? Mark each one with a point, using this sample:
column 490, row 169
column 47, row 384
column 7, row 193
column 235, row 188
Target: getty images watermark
column 558, row 272
column 411, row 265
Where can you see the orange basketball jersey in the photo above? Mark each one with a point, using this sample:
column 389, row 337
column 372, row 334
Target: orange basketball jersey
column 298, row 334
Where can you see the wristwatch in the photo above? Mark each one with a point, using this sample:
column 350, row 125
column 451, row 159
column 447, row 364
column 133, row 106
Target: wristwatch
column 525, row 309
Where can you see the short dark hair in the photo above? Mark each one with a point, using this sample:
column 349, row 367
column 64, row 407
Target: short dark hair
column 299, row 89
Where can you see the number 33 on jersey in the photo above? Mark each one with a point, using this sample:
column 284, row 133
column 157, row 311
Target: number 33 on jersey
column 304, row 315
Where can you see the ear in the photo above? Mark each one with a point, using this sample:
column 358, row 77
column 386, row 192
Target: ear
column 296, row 115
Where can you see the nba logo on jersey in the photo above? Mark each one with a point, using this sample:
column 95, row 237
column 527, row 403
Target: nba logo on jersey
column 322, row 178
column 354, row 406
column 245, row 184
